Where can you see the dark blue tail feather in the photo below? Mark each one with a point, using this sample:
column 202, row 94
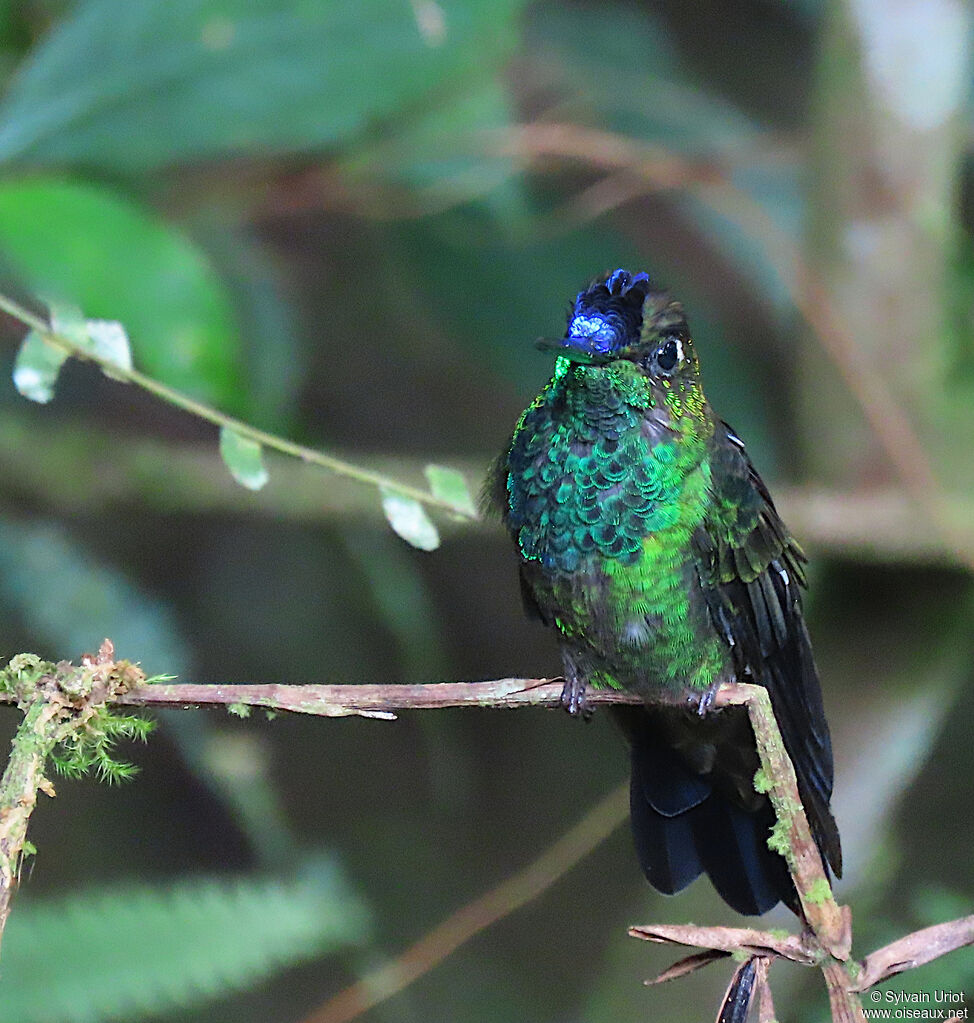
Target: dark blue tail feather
column 685, row 824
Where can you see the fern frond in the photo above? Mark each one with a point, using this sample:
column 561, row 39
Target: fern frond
column 135, row 950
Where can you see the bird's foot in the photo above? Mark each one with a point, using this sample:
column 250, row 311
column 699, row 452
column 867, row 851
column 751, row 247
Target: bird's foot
column 702, row 700
column 573, row 697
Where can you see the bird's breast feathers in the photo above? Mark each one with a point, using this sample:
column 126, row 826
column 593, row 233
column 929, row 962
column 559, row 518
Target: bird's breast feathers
column 603, row 499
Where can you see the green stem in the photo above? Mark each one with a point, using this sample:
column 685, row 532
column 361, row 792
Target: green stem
column 212, row 415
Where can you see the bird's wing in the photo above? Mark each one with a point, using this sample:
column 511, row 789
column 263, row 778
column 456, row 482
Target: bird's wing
column 752, row 572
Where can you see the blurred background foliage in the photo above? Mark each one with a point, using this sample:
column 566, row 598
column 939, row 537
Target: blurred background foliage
column 347, row 223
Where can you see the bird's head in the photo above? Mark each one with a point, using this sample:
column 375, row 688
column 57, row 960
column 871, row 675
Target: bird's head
column 619, row 316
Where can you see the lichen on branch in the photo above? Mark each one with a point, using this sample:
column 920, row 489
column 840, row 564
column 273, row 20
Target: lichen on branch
column 69, row 721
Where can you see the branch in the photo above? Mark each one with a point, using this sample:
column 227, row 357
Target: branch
column 792, row 836
column 71, row 709
column 830, row 926
column 24, row 777
column 914, row 950
column 378, row 701
column 512, row 893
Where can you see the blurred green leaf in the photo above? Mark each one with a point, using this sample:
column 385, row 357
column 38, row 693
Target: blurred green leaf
column 105, row 339
column 84, row 245
column 142, row 86
column 450, row 485
column 637, row 86
column 37, row 367
column 409, row 519
column 244, row 458
column 260, row 287
column 129, row 951
column 633, row 78
column 69, row 600
column 446, row 148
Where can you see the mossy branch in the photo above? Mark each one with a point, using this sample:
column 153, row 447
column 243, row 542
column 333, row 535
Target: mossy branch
column 68, row 721
column 22, row 780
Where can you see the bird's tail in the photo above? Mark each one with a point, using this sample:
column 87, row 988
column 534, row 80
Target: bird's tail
column 694, row 809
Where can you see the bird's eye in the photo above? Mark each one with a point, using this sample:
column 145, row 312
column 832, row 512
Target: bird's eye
column 667, row 355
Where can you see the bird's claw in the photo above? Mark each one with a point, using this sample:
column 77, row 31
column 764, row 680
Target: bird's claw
column 702, row 701
column 573, row 697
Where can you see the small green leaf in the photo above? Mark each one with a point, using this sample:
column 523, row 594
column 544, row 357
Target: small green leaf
column 36, row 368
column 244, row 458
column 68, row 321
column 451, row 485
column 105, row 339
column 108, row 340
column 408, row 518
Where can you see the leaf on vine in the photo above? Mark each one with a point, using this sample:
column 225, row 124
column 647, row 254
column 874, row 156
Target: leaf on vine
column 36, row 368
column 68, row 321
column 450, row 485
column 108, row 340
column 244, row 458
column 408, row 518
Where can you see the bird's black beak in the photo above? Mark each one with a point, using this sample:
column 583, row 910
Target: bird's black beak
column 577, row 349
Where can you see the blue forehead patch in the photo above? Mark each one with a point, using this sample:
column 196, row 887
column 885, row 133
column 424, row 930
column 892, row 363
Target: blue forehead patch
column 598, row 332
column 607, row 315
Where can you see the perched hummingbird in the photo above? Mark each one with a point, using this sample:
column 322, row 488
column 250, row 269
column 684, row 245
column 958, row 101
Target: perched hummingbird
column 650, row 544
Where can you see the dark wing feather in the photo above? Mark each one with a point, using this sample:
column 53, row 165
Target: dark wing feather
column 752, row 572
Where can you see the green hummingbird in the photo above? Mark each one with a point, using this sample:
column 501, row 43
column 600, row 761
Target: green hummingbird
column 650, row 544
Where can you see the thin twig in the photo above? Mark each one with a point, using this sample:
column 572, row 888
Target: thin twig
column 382, row 700
column 368, row 700
column 217, row 418
column 730, row 940
column 914, row 950
column 461, row 926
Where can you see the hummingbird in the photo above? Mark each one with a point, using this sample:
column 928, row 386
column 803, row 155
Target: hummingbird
column 650, row 545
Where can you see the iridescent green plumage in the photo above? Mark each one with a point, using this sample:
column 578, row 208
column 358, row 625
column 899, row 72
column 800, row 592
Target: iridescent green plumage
column 607, row 509
column 650, row 544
